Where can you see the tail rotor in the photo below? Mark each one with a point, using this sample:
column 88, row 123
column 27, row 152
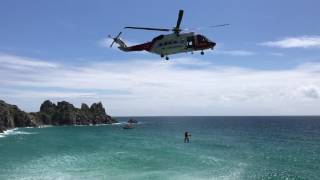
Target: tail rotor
column 115, row 39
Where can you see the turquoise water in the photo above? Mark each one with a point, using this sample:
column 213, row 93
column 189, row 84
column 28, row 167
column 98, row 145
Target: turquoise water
column 220, row 148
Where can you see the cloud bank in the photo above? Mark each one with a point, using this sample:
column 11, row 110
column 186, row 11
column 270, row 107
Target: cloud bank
column 235, row 52
column 183, row 86
column 295, row 42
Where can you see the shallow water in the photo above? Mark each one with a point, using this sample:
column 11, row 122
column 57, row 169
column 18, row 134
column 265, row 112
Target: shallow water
column 220, row 148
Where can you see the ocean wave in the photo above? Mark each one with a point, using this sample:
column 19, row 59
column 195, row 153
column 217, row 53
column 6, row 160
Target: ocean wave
column 9, row 131
column 45, row 126
column 125, row 122
column 14, row 131
column 81, row 125
column 119, row 123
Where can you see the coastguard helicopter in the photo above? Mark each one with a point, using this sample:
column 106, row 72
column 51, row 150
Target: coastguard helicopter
column 173, row 43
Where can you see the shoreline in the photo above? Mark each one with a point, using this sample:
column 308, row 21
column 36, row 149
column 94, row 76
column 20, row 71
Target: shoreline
column 6, row 131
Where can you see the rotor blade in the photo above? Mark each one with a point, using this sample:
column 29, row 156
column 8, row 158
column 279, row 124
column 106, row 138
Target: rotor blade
column 114, row 39
column 179, row 20
column 220, row 25
column 150, row 29
column 199, row 28
column 112, row 44
column 119, row 35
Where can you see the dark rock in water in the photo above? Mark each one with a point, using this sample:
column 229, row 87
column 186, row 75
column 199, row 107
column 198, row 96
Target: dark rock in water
column 132, row 121
column 2, row 130
column 63, row 113
column 11, row 116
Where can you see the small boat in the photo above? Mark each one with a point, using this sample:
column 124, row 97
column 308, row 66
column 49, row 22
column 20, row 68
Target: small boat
column 128, row 126
column 132, row 121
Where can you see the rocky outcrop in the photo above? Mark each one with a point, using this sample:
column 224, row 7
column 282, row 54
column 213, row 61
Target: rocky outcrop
column 65, row 113
column 11, row 116
column 62, row 113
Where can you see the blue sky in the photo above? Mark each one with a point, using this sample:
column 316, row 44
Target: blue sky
column 265, row 63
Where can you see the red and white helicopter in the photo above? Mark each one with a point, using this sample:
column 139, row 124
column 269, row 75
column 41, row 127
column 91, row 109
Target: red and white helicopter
column 168, row 44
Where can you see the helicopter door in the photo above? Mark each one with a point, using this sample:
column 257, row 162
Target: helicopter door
column 190, row 42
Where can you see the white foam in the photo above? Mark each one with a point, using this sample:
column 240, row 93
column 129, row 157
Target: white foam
column 119, row 123
column 14, row 131
column 45, row 126
column 80, row 125
column 21, row 132
column 9, row 131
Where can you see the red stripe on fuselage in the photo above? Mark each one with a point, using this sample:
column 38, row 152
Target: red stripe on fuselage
column 141, row 47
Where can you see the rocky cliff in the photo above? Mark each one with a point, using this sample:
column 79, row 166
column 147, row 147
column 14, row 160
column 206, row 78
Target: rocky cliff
column 11, row 116
column 62, row 113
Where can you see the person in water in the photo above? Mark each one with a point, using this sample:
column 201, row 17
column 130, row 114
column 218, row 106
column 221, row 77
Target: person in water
column 186, row 137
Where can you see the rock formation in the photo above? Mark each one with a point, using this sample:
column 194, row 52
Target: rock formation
column 62, row 113
column 11, row 116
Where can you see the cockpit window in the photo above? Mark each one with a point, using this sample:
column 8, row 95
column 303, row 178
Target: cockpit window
column 202, row 38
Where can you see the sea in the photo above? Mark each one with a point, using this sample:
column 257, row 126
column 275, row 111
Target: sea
column 221, row 148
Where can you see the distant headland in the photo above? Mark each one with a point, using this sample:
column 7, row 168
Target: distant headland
column 62, row 113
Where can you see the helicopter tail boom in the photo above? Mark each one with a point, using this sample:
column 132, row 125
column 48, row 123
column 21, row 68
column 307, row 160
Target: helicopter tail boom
column 123, row 47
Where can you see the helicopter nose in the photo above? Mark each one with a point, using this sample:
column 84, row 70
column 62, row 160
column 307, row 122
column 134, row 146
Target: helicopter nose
column 212, row 44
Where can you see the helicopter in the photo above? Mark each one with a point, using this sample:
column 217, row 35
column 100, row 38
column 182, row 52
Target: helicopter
column 173, row 43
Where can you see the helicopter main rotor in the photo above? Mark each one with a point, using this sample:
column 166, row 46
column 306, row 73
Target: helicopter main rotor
column 176, row 29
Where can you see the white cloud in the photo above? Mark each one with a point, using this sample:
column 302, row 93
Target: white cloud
column 47, row 94
column 275, row 54
column 295, row 42
column 184, row 86
column 17, row 62
column 311, row 91
column 235, row 52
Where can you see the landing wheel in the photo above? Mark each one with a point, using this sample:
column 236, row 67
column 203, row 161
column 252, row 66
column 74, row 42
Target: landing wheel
column 167, row 58
column 202, row 53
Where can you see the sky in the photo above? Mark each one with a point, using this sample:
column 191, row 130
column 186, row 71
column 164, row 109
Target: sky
column 267, row 62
